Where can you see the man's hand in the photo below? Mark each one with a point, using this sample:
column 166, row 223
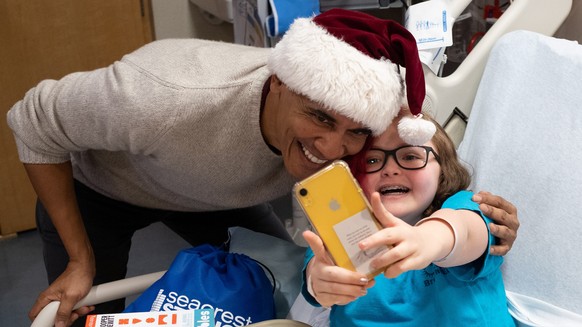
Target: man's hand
column 71, row 286
column 505, row 216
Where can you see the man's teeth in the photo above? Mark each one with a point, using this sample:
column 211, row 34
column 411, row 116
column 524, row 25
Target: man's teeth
column 311, row 157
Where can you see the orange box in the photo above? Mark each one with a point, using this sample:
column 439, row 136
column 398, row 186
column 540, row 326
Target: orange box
column 180, row 318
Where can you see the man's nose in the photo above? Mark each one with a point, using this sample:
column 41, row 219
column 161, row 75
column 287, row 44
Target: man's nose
column 333, row 146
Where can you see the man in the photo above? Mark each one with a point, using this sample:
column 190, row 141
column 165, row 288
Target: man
column 200, row 135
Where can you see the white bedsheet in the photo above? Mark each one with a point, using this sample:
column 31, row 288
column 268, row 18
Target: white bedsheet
column 524, row 141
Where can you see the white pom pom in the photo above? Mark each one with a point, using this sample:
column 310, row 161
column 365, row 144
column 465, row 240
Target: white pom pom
column 415, row 130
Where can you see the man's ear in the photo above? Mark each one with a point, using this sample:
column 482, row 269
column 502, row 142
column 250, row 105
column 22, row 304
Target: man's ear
column 276, row 85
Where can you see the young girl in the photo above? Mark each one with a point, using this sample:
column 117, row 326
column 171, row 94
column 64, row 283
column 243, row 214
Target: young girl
column 438, row 271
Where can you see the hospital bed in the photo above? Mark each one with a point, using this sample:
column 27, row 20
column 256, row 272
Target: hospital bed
column 543, row 270
column 523, row 143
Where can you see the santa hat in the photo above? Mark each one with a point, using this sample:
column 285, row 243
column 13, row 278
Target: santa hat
column 349, row 61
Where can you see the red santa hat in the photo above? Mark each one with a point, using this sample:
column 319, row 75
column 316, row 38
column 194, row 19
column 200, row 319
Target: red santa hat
column 349, row 61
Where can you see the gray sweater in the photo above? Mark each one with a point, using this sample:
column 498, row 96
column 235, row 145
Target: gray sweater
column 174, row 125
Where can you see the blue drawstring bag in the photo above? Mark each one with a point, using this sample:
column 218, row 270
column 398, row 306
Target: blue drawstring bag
column 203, row 277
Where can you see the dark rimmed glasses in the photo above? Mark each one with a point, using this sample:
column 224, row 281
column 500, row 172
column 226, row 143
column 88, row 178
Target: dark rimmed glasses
column 409, row 157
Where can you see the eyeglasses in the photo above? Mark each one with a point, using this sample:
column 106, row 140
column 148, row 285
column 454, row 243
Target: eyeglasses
column 409, row 157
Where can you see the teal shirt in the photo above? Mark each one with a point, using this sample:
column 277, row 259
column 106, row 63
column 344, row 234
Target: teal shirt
column 468, row 295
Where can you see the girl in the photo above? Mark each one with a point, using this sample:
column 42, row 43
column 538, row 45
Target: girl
column 438, row 271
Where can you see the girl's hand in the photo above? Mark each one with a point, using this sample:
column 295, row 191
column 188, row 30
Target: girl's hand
column 331, row 284
column 410, row 247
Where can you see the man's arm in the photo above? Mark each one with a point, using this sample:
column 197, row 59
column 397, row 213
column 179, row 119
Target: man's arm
column 505, row 216
column 53, row 184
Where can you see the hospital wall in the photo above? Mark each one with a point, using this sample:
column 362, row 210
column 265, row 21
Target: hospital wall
column 182, row 19
column 571, row 29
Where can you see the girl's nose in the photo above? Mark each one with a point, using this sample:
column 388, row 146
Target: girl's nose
column 391, row 167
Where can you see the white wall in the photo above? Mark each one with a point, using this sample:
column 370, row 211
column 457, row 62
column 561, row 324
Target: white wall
column 571, row 29
column 182, row 19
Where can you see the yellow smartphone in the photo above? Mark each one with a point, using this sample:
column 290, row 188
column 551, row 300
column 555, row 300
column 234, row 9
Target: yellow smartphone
column 340, row 214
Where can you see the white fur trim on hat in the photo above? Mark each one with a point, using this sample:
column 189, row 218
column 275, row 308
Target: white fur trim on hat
column 316, row 64
column 415, row 131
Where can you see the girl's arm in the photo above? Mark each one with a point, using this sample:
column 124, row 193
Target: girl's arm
column 462, row 232
column 448, row 238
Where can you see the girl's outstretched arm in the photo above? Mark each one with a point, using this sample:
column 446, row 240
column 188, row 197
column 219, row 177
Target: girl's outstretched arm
column 447, row 238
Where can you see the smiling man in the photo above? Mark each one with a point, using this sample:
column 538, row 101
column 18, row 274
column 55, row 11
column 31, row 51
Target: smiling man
column 307, row 134
column 200, row 135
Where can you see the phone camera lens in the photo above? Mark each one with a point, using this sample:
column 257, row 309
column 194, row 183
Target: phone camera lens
column 303, row 192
